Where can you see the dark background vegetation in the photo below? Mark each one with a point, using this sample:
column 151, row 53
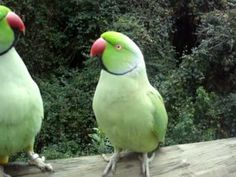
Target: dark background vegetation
column 189, row 48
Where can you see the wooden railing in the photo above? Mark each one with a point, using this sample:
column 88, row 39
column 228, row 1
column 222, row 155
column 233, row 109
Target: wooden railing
column 204, row 159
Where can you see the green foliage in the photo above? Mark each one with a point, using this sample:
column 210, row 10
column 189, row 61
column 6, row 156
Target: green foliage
column 100, row 142
column 68, row 114
column 199, row 92
column 198, row 83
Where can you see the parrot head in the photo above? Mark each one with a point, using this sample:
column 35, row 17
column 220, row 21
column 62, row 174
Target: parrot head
column 119, row 55
column 9, row 23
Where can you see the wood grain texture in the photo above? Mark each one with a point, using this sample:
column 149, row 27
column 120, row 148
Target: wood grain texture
column 204, row 159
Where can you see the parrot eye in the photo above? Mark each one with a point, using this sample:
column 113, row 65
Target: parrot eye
column 118, row 46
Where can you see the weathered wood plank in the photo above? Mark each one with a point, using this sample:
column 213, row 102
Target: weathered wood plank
column 204, row 159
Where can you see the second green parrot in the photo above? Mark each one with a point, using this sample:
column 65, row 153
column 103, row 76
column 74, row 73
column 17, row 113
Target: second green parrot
column 128, row 109
column 21, row 106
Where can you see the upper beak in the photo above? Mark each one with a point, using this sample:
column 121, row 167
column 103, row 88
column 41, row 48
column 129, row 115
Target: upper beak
column 15, row 22
column 98, row 47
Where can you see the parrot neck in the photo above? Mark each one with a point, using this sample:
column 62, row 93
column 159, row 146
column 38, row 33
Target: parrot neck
column 12, row 67
column 117, row 74
column 133, row 69
column 138, row 74
column 7, row 50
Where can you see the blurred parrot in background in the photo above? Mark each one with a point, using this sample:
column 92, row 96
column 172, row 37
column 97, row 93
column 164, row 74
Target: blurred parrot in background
column 21, row 106
column 127, row 108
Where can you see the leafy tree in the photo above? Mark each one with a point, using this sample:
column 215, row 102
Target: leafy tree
column 189, row 48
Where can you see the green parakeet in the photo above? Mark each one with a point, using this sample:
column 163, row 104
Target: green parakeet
column 21, row 106
column 127, row 108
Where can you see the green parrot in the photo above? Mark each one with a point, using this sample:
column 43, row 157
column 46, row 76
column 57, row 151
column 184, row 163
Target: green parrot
column 128, row 109
column 21, row 106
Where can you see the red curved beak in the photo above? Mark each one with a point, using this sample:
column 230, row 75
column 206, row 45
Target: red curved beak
column 15, row 22
column 98, row 47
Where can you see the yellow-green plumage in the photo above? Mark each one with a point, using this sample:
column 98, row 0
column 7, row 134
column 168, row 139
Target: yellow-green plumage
column 21, row 106
column 127, row 108
column 127, row 114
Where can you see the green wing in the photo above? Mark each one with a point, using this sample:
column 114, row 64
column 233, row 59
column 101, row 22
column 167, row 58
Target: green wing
column 159, row 115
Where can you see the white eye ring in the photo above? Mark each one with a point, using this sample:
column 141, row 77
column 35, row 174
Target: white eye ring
column 118, row 46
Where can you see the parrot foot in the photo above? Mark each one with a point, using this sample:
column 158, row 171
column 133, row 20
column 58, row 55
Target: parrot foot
column 145, row 164
column 105, row 158
column 121, row 155
column 39, row 162
column 150, row 159
column 2, row 174
column 111, row 164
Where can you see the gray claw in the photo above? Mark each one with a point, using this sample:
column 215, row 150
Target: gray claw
column 111, row 166
column 39, row 162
